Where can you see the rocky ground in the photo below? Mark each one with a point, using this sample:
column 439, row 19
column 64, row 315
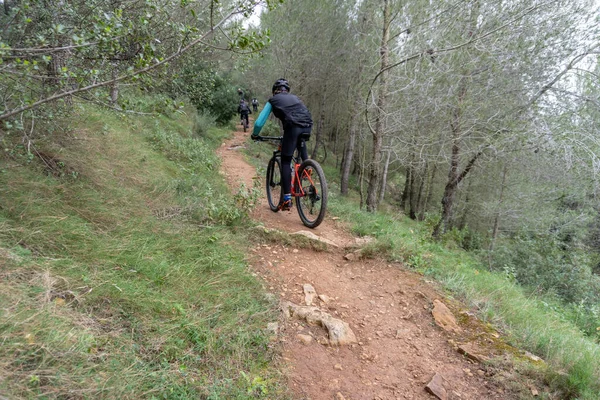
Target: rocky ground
column 356, row 328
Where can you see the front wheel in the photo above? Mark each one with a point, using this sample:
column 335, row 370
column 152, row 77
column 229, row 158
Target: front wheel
column 312, row 194
column 273, row 184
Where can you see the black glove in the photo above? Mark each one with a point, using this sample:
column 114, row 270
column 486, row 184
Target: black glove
column 255, row 137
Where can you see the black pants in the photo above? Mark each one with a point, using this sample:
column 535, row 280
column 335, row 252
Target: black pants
column 293, row 138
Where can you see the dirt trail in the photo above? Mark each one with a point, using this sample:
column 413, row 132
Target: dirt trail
column 399, row 349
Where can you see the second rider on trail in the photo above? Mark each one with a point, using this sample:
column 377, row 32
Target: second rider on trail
column 296, row 121
column 244, row 110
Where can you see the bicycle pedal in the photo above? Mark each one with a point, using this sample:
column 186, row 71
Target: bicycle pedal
column 285, row 206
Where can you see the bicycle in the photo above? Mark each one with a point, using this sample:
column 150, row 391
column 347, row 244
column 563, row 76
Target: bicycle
column 309, row 187
column 245, row 122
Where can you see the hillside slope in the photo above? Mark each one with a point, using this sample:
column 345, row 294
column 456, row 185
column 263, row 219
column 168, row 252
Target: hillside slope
column 120, row 273
column 399, row 347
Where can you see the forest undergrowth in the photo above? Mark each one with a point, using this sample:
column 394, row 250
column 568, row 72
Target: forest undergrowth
column 122, row 275
column 123, row 271
column 531, row 320
column 537, row 323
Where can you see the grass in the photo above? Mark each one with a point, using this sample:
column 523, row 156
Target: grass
column 529, row 322
column 121, row 273
column 539, row 325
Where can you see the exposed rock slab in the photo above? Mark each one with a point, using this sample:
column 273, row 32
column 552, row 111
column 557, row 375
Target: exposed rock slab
column 444, row 317
column 473, row 352
column 363, row 241
column 305, row 339
column 309, row 293
column 437, row 387
column 355, row 255
column 339, row 331
column 314, row 237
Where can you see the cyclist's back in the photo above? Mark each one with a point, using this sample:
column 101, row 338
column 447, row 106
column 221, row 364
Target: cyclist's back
column 244, row 110
column 297, row 124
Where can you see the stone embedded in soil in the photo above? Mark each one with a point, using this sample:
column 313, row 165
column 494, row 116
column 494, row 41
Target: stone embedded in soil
column 437, row 387
column 534, row 391
column 309, row 293
column 305, row 339
column 361, row 241
column 273, row 327
column 444, row 317
column 339, row 331
column 473, row 352
column 350, row 257
column 324, row 298
column 314, row 237
column 532, row 356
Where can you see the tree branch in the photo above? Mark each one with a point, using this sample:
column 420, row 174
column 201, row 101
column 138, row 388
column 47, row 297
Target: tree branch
column 445, row 50
column 562, row 73
column 178, row 53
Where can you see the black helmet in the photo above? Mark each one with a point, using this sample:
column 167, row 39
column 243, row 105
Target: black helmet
column 281, row 83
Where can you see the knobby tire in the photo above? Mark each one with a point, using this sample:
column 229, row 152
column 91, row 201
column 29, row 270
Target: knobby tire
column 273, row 184
column 312, row 203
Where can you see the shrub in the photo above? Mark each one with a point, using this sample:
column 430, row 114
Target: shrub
column 203, row 121
column 540, row 262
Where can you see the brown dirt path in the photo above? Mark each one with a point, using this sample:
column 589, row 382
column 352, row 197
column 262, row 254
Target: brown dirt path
column 389, row 308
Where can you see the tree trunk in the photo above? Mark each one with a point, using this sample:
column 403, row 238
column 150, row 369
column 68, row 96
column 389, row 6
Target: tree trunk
column 406, row 190
column 384, row 176
column 361, row 177
column 336, row 143
column 454, row 176
column 348, row 159
column 429, row 194
column 421, row 187
column 497, row 217
column 320, row 125
column 452, row 182
column 374, row 175
column 411, row 196
column 463, row 219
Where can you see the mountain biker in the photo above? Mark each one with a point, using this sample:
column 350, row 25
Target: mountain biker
column 244, row 110
column 254, row 104
column 297, row 124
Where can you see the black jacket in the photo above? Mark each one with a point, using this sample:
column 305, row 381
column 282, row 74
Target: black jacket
column 244, row 109
column 290, row 110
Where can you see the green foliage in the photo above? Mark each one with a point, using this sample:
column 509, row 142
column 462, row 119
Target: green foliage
column 210, row 91
column 543, row 325
column 124, row 283
column 49, row 50
column 539, row 262
column 465, row 238
column 271, row 128
column 224, row 102
column 203, row 122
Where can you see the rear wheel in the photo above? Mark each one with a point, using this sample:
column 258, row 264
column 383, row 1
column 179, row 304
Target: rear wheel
column 244, row 124
column 273, row 184
column 312, row 192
